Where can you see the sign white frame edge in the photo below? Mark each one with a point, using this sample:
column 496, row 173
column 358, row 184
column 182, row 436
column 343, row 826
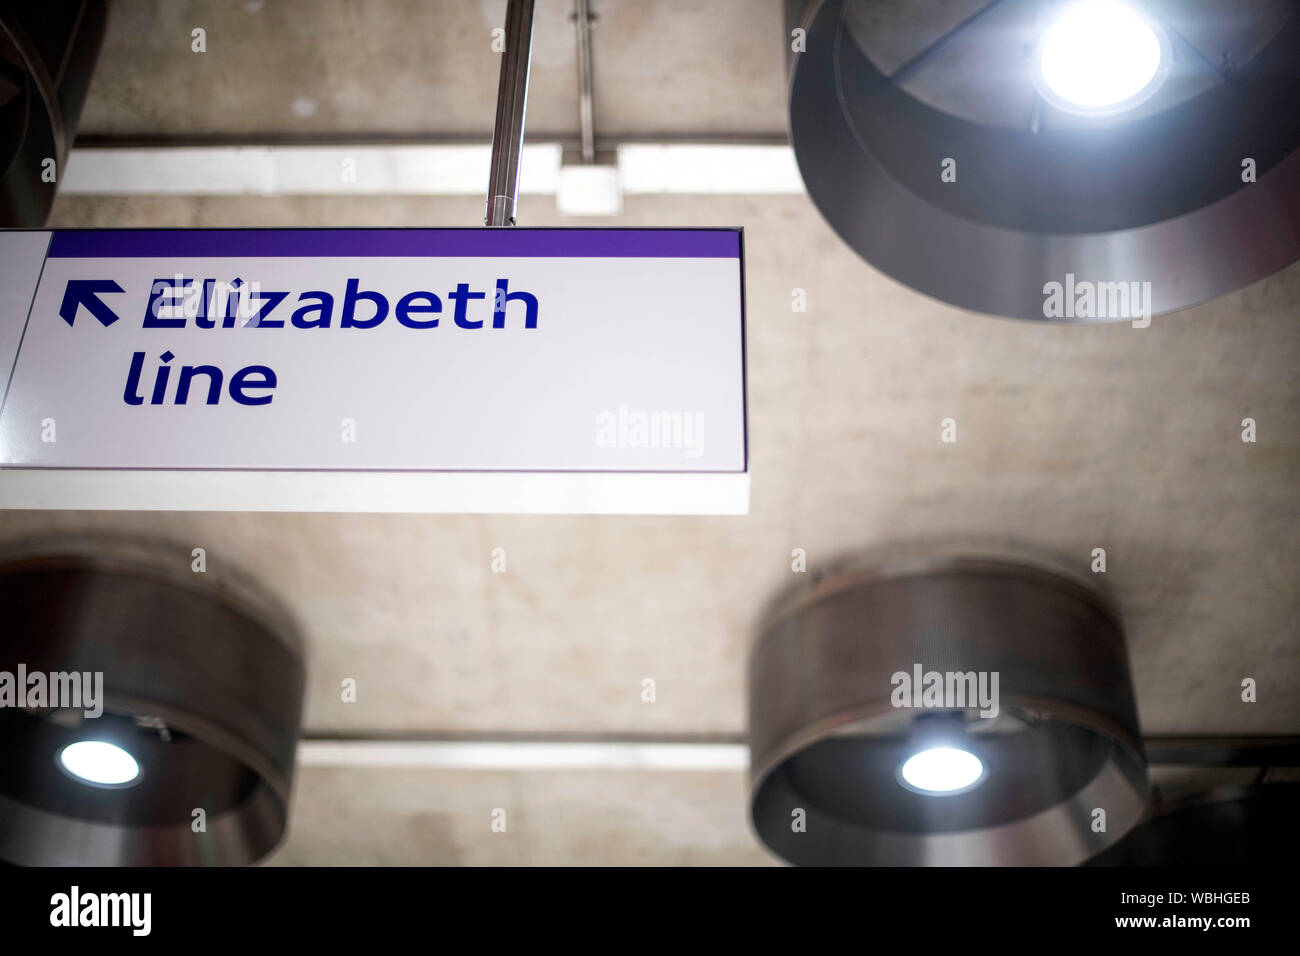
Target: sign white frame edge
column 628, row 493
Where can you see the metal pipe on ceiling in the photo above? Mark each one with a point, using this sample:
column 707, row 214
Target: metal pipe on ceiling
column 586, row 121
column 512, row 102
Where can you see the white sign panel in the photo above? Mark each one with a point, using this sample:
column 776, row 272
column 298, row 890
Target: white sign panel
column 374, row 370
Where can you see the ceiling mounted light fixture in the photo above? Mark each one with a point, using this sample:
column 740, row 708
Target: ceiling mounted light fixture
column 1237, row 826
column 47, row 57
column 943, row 710
column 151, row 713
column 994, row 153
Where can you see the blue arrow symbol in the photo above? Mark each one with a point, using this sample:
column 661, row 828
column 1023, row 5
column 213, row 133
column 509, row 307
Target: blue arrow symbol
column 85, row 292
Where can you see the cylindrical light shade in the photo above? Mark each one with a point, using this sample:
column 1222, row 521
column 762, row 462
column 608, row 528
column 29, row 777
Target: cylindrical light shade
column 47, row 57
column 946, row 711
column 1232, row 826
column 930, row 138
column 201, row 690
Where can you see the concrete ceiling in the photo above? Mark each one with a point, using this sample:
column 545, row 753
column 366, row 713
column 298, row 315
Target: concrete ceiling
column 289, row 68
column 1069, row 439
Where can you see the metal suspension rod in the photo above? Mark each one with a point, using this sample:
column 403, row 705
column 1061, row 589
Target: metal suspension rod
column 512, row 101
column 583, row 18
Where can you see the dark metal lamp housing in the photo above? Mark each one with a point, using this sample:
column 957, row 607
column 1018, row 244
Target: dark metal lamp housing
column 47, row 57
column 1229, row 827
column 949, row 711
column 941, row 143
column 201, row 690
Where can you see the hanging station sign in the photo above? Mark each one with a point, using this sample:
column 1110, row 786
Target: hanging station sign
column 429, row 370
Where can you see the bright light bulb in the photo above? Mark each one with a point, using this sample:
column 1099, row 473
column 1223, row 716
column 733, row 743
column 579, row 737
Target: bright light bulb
column 99, row 762
column 942, row 770
column 1101, row 56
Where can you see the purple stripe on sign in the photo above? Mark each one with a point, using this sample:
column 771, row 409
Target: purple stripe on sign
column 387, row 243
